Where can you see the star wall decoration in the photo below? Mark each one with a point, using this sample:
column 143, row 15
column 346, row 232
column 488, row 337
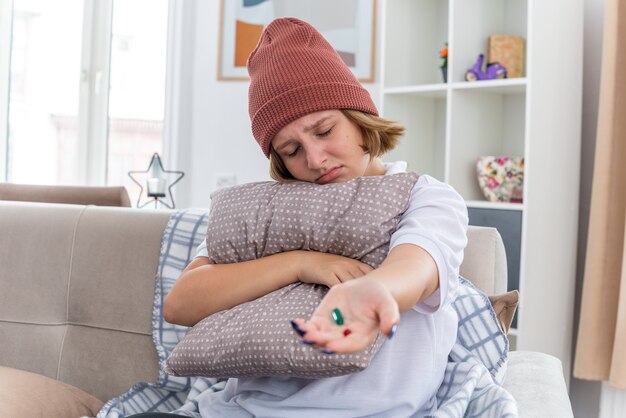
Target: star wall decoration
column 158, row 182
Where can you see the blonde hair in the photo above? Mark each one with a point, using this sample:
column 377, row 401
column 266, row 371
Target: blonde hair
column 379, row 136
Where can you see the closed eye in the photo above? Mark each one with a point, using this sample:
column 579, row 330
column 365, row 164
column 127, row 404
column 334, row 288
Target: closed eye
column 325, row 133
column 294, row 152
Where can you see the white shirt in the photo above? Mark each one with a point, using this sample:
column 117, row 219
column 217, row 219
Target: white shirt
column 403, row 378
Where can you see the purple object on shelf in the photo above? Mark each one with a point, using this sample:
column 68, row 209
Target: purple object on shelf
column 494, row 70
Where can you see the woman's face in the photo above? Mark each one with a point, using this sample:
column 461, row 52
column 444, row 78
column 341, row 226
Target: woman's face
column 324, row 147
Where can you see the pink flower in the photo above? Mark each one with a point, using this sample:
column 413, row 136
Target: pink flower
column 502, row 160
column 492, row 183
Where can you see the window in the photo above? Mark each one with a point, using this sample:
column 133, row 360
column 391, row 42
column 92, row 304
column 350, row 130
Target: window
column 137, row 87
column 86, row 88
column 43, row 91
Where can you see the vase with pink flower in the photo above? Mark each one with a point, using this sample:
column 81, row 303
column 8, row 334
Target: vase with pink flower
column 500, row 178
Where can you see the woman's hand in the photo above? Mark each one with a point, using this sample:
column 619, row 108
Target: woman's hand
column 329, row 269
column 366, row 307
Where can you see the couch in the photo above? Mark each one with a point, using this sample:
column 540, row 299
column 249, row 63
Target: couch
column 77, row 286
column 76, row 195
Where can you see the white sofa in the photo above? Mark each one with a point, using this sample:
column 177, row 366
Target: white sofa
column 77, row 286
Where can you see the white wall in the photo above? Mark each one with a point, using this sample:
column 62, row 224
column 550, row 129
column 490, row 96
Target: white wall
column 214, row 135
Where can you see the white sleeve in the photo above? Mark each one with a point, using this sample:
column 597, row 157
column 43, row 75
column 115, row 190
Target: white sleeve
column 436, row 221
column 202, row 251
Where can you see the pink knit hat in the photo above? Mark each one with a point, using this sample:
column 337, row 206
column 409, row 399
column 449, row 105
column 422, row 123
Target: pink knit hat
column 294, row 71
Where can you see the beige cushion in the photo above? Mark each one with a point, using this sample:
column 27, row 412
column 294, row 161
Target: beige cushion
column 354, row 219
column 29, row 395
column 505, row 305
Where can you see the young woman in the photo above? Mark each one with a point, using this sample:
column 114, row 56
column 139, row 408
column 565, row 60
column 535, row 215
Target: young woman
column 316, row 123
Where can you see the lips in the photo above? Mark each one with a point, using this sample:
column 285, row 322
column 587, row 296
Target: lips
column 329, row 176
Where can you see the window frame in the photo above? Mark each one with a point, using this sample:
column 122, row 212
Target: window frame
column 93, row 103
column 6, row 29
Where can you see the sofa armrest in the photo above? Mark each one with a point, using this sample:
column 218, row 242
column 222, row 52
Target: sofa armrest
column 536, row 382
column 484, row 261
column 74, row 195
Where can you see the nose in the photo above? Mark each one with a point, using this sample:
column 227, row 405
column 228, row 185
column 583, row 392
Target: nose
column 315, row 156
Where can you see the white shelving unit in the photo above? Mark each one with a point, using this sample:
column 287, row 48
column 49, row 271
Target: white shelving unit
column 536, row 116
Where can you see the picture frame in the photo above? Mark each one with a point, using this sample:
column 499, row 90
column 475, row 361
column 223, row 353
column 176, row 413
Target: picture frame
column 348, row 25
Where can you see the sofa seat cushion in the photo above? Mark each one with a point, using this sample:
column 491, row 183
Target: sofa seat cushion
column 26, row 395
column 536, row 382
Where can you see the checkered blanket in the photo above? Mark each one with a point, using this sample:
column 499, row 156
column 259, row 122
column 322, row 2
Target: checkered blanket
column 477, row 363
column 471, row 386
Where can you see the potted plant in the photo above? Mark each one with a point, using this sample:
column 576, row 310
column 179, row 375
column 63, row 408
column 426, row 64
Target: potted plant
column 443, row 54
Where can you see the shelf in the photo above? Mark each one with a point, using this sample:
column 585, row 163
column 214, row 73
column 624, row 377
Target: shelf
column 502, row 86
column 484, row 204
column 413, row 41
column 536, row 116
column 424, row 117
column 472, row 24
column 482, row 124
column 424, row 90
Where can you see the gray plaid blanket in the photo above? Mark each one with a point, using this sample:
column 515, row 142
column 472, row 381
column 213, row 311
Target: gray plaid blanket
column 477, row 363
column 471, row 386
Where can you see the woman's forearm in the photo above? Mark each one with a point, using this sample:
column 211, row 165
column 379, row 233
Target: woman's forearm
column 373, row 302
column 409, row 273
column 203, row 289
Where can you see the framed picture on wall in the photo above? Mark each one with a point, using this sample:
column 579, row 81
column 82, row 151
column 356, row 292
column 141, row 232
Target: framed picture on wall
column 349, row 26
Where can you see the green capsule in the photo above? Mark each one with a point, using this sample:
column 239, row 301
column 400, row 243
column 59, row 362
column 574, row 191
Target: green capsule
column 337, row 316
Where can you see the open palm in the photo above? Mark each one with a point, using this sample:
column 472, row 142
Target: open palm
column 366, row 306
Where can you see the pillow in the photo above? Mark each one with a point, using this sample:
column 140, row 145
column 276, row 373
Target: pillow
column 26, row 394
column 353, row 219
column 504, row 306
